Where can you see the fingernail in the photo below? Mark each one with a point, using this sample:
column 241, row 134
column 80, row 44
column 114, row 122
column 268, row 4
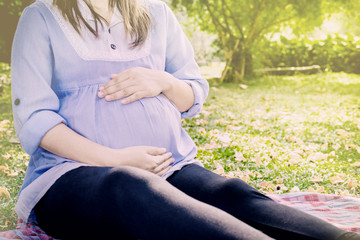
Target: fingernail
column 124, row 101
column 113, row 75
column 101, row 94
column 108, row 98
column 101, row 88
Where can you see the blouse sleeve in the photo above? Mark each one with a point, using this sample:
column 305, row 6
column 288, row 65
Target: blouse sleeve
column 180, row 62
column 35, row 104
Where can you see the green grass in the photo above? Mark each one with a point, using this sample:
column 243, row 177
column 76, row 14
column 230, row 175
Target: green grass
column 12, row 157
column 280, row 135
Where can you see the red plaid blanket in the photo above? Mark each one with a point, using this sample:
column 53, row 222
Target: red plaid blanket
column 343, row 212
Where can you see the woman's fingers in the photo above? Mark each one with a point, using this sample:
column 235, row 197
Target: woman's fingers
column 155, row 151
column 159, row 159
column 162, row 161
column 164, row 171
column 115, row 79
column 122, row 93
column 126, row 87
column 133, row 84
column 164, row 167
column 135, row 96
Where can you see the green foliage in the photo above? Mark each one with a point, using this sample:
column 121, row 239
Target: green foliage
column 334, row 53
column 302, row 130
column 242, row 25
column 13, row 160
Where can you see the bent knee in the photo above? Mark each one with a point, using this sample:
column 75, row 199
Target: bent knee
column 127, row 180
column 126, row 175
column 235, row 187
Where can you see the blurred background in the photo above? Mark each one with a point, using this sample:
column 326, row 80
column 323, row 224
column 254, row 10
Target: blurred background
column 250, row 37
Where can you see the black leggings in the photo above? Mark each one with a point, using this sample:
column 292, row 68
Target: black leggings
column 194, row 203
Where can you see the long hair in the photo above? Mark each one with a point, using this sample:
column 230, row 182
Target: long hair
column 136, row 18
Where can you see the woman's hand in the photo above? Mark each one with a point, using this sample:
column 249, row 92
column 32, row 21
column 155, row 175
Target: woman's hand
column 152, row 159
column 134, row 84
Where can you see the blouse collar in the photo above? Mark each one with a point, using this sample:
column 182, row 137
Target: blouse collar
column 86, row 13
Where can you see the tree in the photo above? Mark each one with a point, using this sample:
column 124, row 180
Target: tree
column 10, row 11
column 242, row 24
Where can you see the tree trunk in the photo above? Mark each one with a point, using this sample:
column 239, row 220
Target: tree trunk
column 238, row 65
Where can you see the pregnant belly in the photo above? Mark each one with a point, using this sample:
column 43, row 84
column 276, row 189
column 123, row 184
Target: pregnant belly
column 150, row 121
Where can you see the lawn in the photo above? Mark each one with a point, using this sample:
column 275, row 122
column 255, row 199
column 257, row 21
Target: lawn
column 279, row 134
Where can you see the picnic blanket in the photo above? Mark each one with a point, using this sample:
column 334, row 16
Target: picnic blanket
column 344, row 212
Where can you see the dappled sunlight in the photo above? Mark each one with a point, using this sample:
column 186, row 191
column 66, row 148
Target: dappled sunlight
column 310, row 140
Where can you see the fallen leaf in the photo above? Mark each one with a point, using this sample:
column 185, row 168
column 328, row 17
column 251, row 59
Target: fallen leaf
column 243, row 86
column 336, row 146
column 317, row 179
column 295, row 158
column 324, row 147
column 215, row 89
column 332, row 154
column 201, row 122
column 271, row 186
column 12, row 173
column 2, row 168
column 338, row 178
column 353, row 184
column 230, row 115
column 357, row 164
column 219, row 169
column 236, row 122
column 279, row 181
column 202, row 131
column 224, row 138
column 7, row 156
column 4, row 124
column 320, row 189
column 281, row 187
column 256, row 174
column 295, row 189
column 221, row 121
column 4, row 192
column 264, row 184
column 206, row 113
column 311, row 189
column 342, row 133
column 352, row 146
column 258, row 161
column 14, row 140
column 240, row 157
column 318, row 156
column 294, row 139
column 212, row 145
column 345, row 193
column 245, row 178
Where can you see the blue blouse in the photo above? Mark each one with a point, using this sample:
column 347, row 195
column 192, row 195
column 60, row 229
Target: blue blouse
column 56, row 74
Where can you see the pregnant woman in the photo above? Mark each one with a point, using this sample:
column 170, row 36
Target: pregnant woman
column 99, row 89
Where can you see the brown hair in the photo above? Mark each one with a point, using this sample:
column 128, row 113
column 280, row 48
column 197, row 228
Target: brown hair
column 135, row 16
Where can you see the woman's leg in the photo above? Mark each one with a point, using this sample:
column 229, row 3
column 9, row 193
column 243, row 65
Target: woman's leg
column 130, row 203
column 247, row 204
